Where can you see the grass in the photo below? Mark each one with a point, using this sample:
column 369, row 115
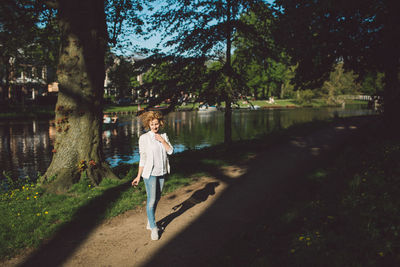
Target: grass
column 345, row 212
column 34, row 111
column 115, row 108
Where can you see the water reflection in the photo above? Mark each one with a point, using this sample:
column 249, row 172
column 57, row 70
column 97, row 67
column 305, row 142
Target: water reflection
column 25, row 146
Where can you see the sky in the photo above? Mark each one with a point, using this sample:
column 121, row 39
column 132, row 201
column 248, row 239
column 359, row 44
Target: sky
column 152, row 42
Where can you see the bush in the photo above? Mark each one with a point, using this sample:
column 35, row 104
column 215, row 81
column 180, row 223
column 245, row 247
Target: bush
column 305, row 96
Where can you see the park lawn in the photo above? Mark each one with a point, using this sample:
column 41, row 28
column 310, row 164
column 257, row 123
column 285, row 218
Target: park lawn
column 116, row 108
column 34, row 111
column 284, row 103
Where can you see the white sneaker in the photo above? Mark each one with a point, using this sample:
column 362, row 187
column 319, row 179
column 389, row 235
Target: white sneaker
column 154, row 233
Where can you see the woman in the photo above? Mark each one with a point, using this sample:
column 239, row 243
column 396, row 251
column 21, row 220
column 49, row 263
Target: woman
column 153, row 164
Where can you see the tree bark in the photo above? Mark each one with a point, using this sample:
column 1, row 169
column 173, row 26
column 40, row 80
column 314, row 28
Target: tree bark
column 229, row 74
column 391, row 97
column 81, row 70
column 391, row 63
column 228, row 122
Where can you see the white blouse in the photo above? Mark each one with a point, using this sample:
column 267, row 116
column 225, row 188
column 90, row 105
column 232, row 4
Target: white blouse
column 153, row 153
column 158, row 150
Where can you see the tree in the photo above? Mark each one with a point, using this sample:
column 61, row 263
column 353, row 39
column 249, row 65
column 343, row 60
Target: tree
column 171, row 77
column 14, row 37
column 80, row 72
column 339, row 83
column 362, row 34
column 120, row 75
column 82, row 28
column 204, row 29
column 372, row 84
column 258, row 57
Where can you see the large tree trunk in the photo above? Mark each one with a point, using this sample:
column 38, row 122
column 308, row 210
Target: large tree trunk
column 229, row 74
column 78, row 145
column 228, row 122
column 6, row 86
column 391, row 98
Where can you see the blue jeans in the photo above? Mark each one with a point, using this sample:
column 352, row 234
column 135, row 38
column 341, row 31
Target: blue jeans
column 154, row 186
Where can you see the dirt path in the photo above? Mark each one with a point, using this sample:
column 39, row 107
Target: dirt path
column 208, row 213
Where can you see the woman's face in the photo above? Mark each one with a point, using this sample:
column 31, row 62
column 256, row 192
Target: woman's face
column 154, row 125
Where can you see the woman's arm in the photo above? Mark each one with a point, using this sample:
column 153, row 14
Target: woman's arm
column 142, row 154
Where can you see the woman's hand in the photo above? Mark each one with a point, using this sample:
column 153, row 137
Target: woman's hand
column 159, row 138
column 136, row 181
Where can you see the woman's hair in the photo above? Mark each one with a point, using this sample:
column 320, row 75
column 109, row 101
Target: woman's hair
column 148, row 116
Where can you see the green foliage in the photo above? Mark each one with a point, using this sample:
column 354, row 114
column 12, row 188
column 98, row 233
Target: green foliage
column 305, row 96
column 372, row 84
column 340, row 83
column 171, row 78
column 25, row 44
column 261, row 63
column 320, row 33
column 121, row 75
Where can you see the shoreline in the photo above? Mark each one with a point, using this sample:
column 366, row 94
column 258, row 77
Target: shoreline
column 47, row 112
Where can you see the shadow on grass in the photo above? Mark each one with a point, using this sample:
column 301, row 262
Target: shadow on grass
column 62, row 245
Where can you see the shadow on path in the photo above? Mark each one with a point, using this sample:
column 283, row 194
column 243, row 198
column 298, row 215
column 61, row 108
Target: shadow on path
column 64, row 243
column 196, row 198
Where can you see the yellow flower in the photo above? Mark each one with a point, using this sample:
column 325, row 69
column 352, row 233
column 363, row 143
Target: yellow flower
column 46, row 212
column 317, row 233
column 89, row 185
column 381, row 254
column 37, row 214
column 301, row 238
column 308, row 239
column 19, row 214
column 309, row 243
column 27, row 198
column 35, row 197
column 37, row 193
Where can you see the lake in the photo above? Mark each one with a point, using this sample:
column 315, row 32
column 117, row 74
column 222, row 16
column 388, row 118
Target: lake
column 25, row 147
